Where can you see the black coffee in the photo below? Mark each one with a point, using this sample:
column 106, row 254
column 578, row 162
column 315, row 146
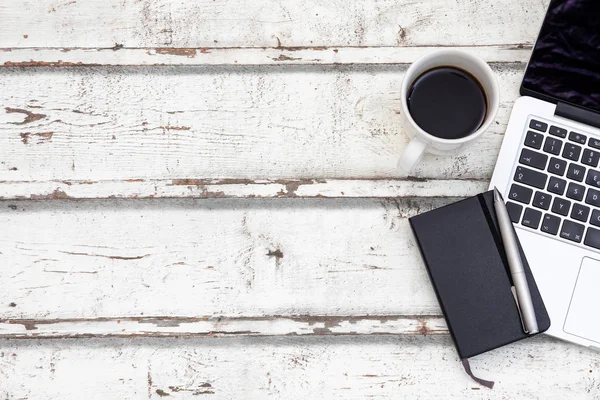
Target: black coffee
column 447, row 102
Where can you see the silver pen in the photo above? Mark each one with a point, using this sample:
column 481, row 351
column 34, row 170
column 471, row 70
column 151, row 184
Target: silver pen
column 520, row 287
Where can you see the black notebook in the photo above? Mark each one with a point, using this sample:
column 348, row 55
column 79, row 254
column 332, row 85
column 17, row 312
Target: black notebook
column 465, row 258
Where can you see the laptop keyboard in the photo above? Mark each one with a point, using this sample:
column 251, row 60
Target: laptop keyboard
column 556, row 184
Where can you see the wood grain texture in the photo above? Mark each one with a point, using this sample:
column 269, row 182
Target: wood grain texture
column 214, row 257
column 418, row 367
column 241, row 188
column 272, row 325
column 253, row 123
column 269, row 23
column 63, row 57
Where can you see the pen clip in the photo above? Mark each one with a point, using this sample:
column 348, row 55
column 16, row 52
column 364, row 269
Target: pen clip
column 514, row 292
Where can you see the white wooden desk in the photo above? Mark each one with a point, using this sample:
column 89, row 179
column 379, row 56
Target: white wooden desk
column 200, row 198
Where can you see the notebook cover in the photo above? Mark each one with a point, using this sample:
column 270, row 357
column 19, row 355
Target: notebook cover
column 463, row 252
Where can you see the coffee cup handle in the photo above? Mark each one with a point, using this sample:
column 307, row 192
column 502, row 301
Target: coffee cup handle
column 411, row 155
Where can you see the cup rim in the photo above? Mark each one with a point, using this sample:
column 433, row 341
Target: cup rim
column 493, row 99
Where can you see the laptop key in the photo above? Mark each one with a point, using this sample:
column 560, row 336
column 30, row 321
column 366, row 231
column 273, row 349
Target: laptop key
column 557, row 166
column 557, row 185
column 561, row 206
column 534, row 140
column 595, row 219
column 590, row 157
column 572, row 231
column 580, row 212
column 530, row 177
column 542, row 200
column 595, row 143
column 556, row 131
column 592, row 238
column 520, row 194
column 514, row 211
column 572, row 152
column 593, row 178
column 577, row 137
column 550, row 224
column 593, row 197
column 532, row 218
column 576, row 172
column 533, row 159
column 540, row 126
column 552, row 146
column 575, row 191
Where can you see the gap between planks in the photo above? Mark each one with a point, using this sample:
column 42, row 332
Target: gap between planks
column 225, row 326
column 240, row 188
column 36, row 57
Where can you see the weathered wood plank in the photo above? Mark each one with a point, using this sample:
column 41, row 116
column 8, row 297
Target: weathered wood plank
column 270, row 23
column 240, row 188
column 225, row 326
column 37, row 57
column 291, row 368
column 214, row 257
column 256, row 123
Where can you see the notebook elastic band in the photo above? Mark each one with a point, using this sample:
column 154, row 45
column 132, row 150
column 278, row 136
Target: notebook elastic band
column 482, row 382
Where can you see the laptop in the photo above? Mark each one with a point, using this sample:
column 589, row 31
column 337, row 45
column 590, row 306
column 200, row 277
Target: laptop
column 548, row 168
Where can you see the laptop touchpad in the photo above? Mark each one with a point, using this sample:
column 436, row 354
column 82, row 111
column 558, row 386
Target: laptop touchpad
column 582, row 320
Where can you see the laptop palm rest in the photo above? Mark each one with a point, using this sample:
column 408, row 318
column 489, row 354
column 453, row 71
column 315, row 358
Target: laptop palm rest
column 581, row 321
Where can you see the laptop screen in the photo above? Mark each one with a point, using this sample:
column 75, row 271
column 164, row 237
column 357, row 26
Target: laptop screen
column 565, row 64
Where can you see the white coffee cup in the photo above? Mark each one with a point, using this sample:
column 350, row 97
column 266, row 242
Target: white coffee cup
column 425, row 142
